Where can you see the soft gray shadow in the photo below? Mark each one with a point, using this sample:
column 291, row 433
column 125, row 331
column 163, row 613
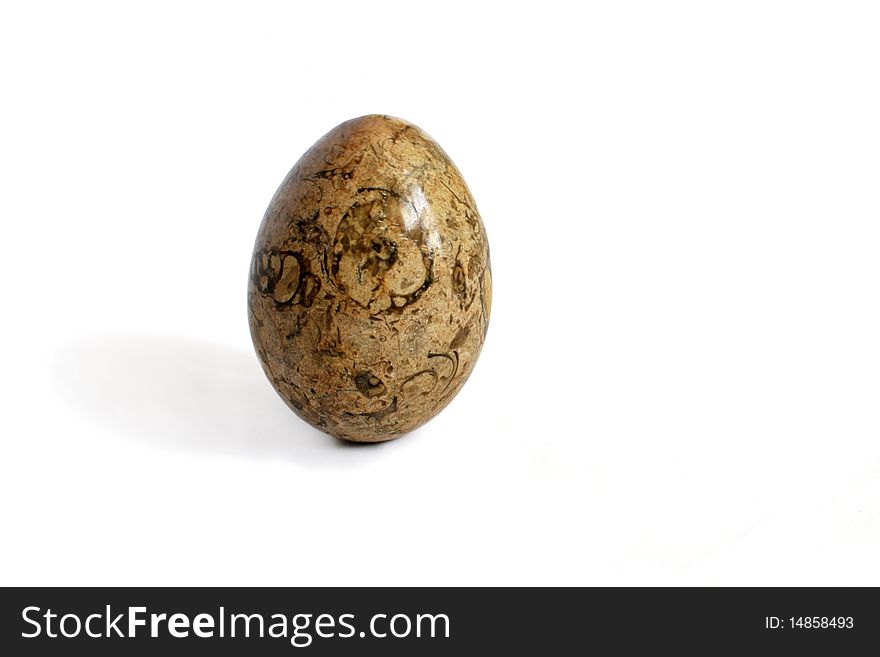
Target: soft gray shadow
column 181, row 393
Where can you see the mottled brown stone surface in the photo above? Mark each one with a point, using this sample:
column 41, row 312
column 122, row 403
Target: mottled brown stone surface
column 370, row 284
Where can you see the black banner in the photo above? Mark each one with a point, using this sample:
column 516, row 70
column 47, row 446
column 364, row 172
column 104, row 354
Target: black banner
column 407, row 621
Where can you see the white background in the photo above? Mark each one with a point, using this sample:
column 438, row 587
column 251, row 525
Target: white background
column 680, row 383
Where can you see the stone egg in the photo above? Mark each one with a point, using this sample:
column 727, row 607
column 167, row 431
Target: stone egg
column 370, row 285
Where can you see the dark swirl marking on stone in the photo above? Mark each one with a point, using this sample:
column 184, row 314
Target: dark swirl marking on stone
column 377, row 260
column 411, row 382
column 284, row 276
column 369, row 385
column 459, row 280
column 307, row 230
column 452, row 359
column 338, row 175
column 327, row 174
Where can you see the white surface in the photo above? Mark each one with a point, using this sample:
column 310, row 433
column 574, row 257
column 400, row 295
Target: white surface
column 680, row 383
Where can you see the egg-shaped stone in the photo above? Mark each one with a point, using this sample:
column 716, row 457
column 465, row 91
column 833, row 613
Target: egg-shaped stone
column 370, row 285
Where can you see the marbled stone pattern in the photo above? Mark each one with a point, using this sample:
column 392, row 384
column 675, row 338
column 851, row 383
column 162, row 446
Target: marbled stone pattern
column 370, row 284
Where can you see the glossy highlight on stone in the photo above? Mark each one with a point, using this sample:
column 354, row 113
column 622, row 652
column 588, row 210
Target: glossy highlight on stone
column 370, row 285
